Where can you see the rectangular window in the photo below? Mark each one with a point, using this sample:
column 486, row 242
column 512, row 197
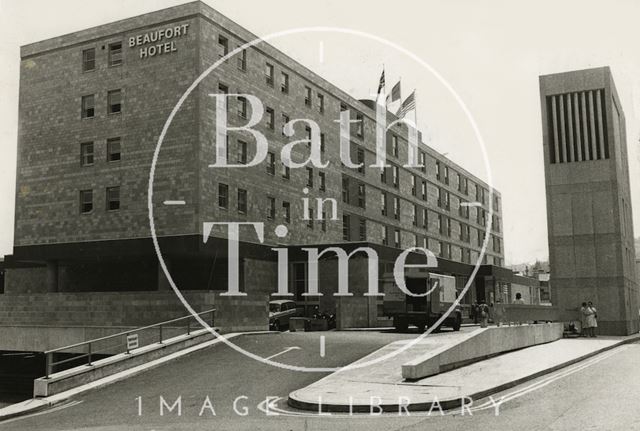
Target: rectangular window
column 396, row 176
column 396, row 208
column 114, row 101
column 424, row 190
column 271, row 163
column 115, row 54
column 322, row 142
column 286, row 174
column 423, row 162
column 285, row 120
column 310, row 218
column 307, row 96
column 345, row 190
column 438, row 171
column 113, row 149
column 360, row 161
column 242, row 60
column 394, row 146
column 223, row 196
column 363, row 229
column 268, row 72
column 383, row 203
column 446, row 175
column 413, row 185
column 284, row 82
column 271, row 208
column 396, row 238
column 343, row 107
column 86, row 154
column 113, row 198
column 323, row 222
column 307, row 131
column 385, row 235
column 309, row 177
column 286, row 209
column 360, row 125
column 223, row 46
column 88, row 59
column 425, row 218
column 242, row 107
column 321, row 103
column 323, row 181
column 86, row 201
column 88, row 106
column 383, row 175
column 361, row 196
column 271, row 122
column 242, row 201
column 346, row 228
column 415, row 215
column 242, row 153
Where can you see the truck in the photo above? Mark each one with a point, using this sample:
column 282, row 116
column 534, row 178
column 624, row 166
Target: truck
column 422, row 311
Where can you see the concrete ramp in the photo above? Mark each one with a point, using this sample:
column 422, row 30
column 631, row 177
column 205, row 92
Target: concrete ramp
column 479, row 345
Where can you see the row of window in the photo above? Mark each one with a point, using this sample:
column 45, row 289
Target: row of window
column 114, row 57
column 112, row 203
column 87, row 151
column 114, row 104
column 271, row 206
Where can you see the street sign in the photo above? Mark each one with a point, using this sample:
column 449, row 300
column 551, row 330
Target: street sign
column 132, row 341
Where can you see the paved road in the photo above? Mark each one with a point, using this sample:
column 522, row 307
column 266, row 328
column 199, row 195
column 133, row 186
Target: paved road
column 601, row 394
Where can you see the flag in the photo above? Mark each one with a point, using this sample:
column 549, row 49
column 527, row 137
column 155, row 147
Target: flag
column 381, row 84
column 409, row 104
column 395, row 92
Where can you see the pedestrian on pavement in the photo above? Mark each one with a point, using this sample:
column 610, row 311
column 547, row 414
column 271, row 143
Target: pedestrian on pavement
column 583, row 320
column 591, row 319
column 484, row 314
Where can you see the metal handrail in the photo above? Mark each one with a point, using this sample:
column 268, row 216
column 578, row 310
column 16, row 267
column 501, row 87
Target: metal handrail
column 49, row 364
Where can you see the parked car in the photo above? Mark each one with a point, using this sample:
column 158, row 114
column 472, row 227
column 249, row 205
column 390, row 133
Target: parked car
column 280, row 311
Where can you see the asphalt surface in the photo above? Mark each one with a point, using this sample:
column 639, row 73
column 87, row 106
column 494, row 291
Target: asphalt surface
column 600, row 393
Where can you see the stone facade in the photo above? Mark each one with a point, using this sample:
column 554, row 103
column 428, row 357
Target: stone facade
column 52, row 229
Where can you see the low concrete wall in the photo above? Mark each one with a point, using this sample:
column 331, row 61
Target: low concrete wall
column 64, row 380
column 530, row 313
column 481, row 344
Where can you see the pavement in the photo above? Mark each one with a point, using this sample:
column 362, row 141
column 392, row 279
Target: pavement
column 380, row 386
column 596, row 393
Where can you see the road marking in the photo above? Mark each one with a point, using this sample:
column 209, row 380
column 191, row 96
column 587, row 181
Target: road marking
column 44, row 412
column 322, row 346
column 174, row 203
column 288, row 349
column 548, row 380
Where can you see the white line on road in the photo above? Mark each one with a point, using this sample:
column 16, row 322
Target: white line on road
column 284, row 351
column 174, row 203
column 322, row 346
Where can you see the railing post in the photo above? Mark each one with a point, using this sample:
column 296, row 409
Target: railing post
column 160, row 331
column 89, row 354
column 47, row 364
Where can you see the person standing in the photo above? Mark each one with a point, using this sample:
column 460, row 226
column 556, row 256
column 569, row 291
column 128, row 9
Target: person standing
column 484, row 314
column 584, row 330
column 519, row 299
column 591, row 319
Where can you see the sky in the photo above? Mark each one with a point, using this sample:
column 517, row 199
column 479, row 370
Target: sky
column 489, row 52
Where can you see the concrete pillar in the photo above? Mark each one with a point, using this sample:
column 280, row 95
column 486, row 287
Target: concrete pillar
column 163, row 283
column 554, row 116
column 592, row 117
column 585, row 129
column 563, row 137
column 572, row 157
column 600, row 123
column 52, row 276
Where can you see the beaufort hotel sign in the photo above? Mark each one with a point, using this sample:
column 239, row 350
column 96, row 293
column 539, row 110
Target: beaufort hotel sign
column 158, row 42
